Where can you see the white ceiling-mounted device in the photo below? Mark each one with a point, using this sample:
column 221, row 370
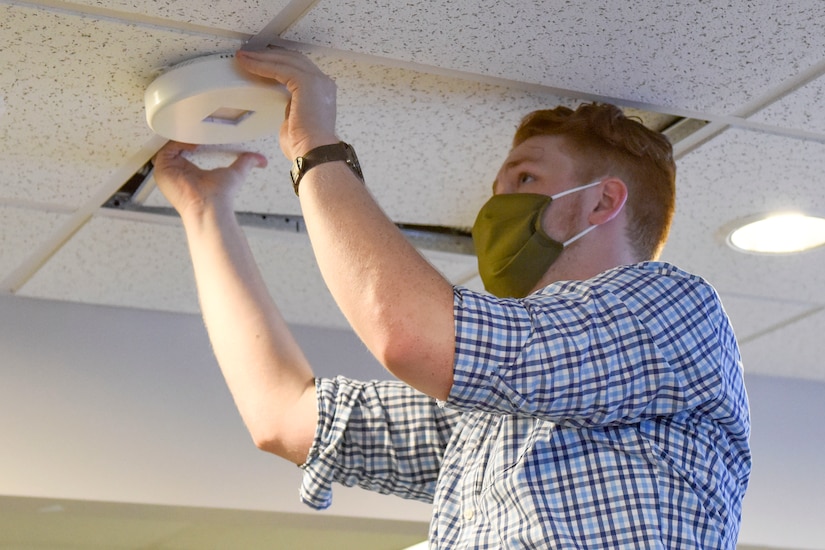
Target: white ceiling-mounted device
column 210, row 100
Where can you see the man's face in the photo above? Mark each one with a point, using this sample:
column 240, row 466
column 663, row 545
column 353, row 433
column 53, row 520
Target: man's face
column 540, row 165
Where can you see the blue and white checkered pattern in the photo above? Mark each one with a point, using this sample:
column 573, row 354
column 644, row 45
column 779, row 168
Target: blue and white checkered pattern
column 608, row 413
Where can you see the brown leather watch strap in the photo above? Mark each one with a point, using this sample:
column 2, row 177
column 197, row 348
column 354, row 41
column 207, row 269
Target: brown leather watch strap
column 320, row 155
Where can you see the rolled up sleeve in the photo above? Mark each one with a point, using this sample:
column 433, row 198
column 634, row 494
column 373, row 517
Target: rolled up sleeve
column 382, row 436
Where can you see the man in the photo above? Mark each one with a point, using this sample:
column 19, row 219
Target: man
column 598, row 402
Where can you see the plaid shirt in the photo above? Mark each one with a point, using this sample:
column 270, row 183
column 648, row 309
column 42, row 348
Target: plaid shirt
column 608, row 413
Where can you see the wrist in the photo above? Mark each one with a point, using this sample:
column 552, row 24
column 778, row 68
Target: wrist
column 206, row 210
column 338, row 151
column 304, row 146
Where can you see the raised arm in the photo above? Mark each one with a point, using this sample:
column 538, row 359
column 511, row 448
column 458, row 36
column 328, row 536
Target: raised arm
column 268, row 375
column 398, row 304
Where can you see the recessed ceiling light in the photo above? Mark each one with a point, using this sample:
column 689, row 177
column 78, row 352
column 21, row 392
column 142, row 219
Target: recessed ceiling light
column 779, row 234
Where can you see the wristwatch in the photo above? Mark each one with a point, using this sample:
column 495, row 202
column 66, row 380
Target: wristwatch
column 320, row 155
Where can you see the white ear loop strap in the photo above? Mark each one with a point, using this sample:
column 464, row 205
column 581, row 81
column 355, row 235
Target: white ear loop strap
column 573, row 190
column 575, row 238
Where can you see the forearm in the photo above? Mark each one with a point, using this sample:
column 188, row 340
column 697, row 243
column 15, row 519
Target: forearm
column 268, row 375
column 399, row 305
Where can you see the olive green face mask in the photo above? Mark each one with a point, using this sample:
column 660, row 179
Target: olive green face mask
column 513, row 250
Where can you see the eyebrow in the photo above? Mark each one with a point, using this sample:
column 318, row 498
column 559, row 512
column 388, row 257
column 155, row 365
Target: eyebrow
column 518, row 161
column 522, row 158
column 508, row 166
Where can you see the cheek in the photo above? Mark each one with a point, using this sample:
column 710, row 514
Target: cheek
column 564, row 218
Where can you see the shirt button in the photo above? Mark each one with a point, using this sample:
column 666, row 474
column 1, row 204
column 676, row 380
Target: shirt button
column 469, row 514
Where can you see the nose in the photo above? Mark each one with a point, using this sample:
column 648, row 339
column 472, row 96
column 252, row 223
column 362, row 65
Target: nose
column 500, row 187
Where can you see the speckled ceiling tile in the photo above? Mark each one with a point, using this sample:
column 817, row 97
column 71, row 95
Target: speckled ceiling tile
column 737, row 175
column 794, row 350
column 752, row 316
column 292, row 275
column 759, row 320
column 706, row 56
column 288, row 266
column 431, row 145
column 247, row 16
column 73, row 88
column 22, row 231
column 126, row 263
column 803, row 109
column 120, row 263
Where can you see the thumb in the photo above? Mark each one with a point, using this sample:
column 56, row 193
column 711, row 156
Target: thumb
column 247, row 161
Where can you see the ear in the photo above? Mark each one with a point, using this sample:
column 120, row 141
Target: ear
column 613, row 195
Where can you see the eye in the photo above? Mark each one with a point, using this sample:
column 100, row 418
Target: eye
column 525, row 178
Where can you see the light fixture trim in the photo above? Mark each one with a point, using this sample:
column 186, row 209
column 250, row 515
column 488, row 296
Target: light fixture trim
column 777, row 233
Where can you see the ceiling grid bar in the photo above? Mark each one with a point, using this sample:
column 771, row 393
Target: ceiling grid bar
column 118, row 16
column 280, row 23
column 782, row 324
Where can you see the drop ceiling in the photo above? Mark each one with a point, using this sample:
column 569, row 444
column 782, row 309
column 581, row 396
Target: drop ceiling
column 429, row 94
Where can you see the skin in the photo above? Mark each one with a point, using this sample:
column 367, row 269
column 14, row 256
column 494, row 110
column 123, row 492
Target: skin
column 397, row 303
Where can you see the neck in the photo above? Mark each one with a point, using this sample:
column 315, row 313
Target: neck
column 586, row 258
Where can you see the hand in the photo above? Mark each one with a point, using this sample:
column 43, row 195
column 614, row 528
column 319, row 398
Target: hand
column 310, row 113
column 191, row 189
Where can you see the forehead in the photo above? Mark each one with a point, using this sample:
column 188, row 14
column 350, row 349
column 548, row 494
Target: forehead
column 549, row 150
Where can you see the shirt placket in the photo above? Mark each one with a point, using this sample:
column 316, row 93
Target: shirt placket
column 476, row 454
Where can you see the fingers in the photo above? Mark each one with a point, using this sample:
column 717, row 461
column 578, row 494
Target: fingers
column 279, row 64
column 176, row 147
column 311, row 111
column 171, row 162
column 247, row 161
column 172, row 150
